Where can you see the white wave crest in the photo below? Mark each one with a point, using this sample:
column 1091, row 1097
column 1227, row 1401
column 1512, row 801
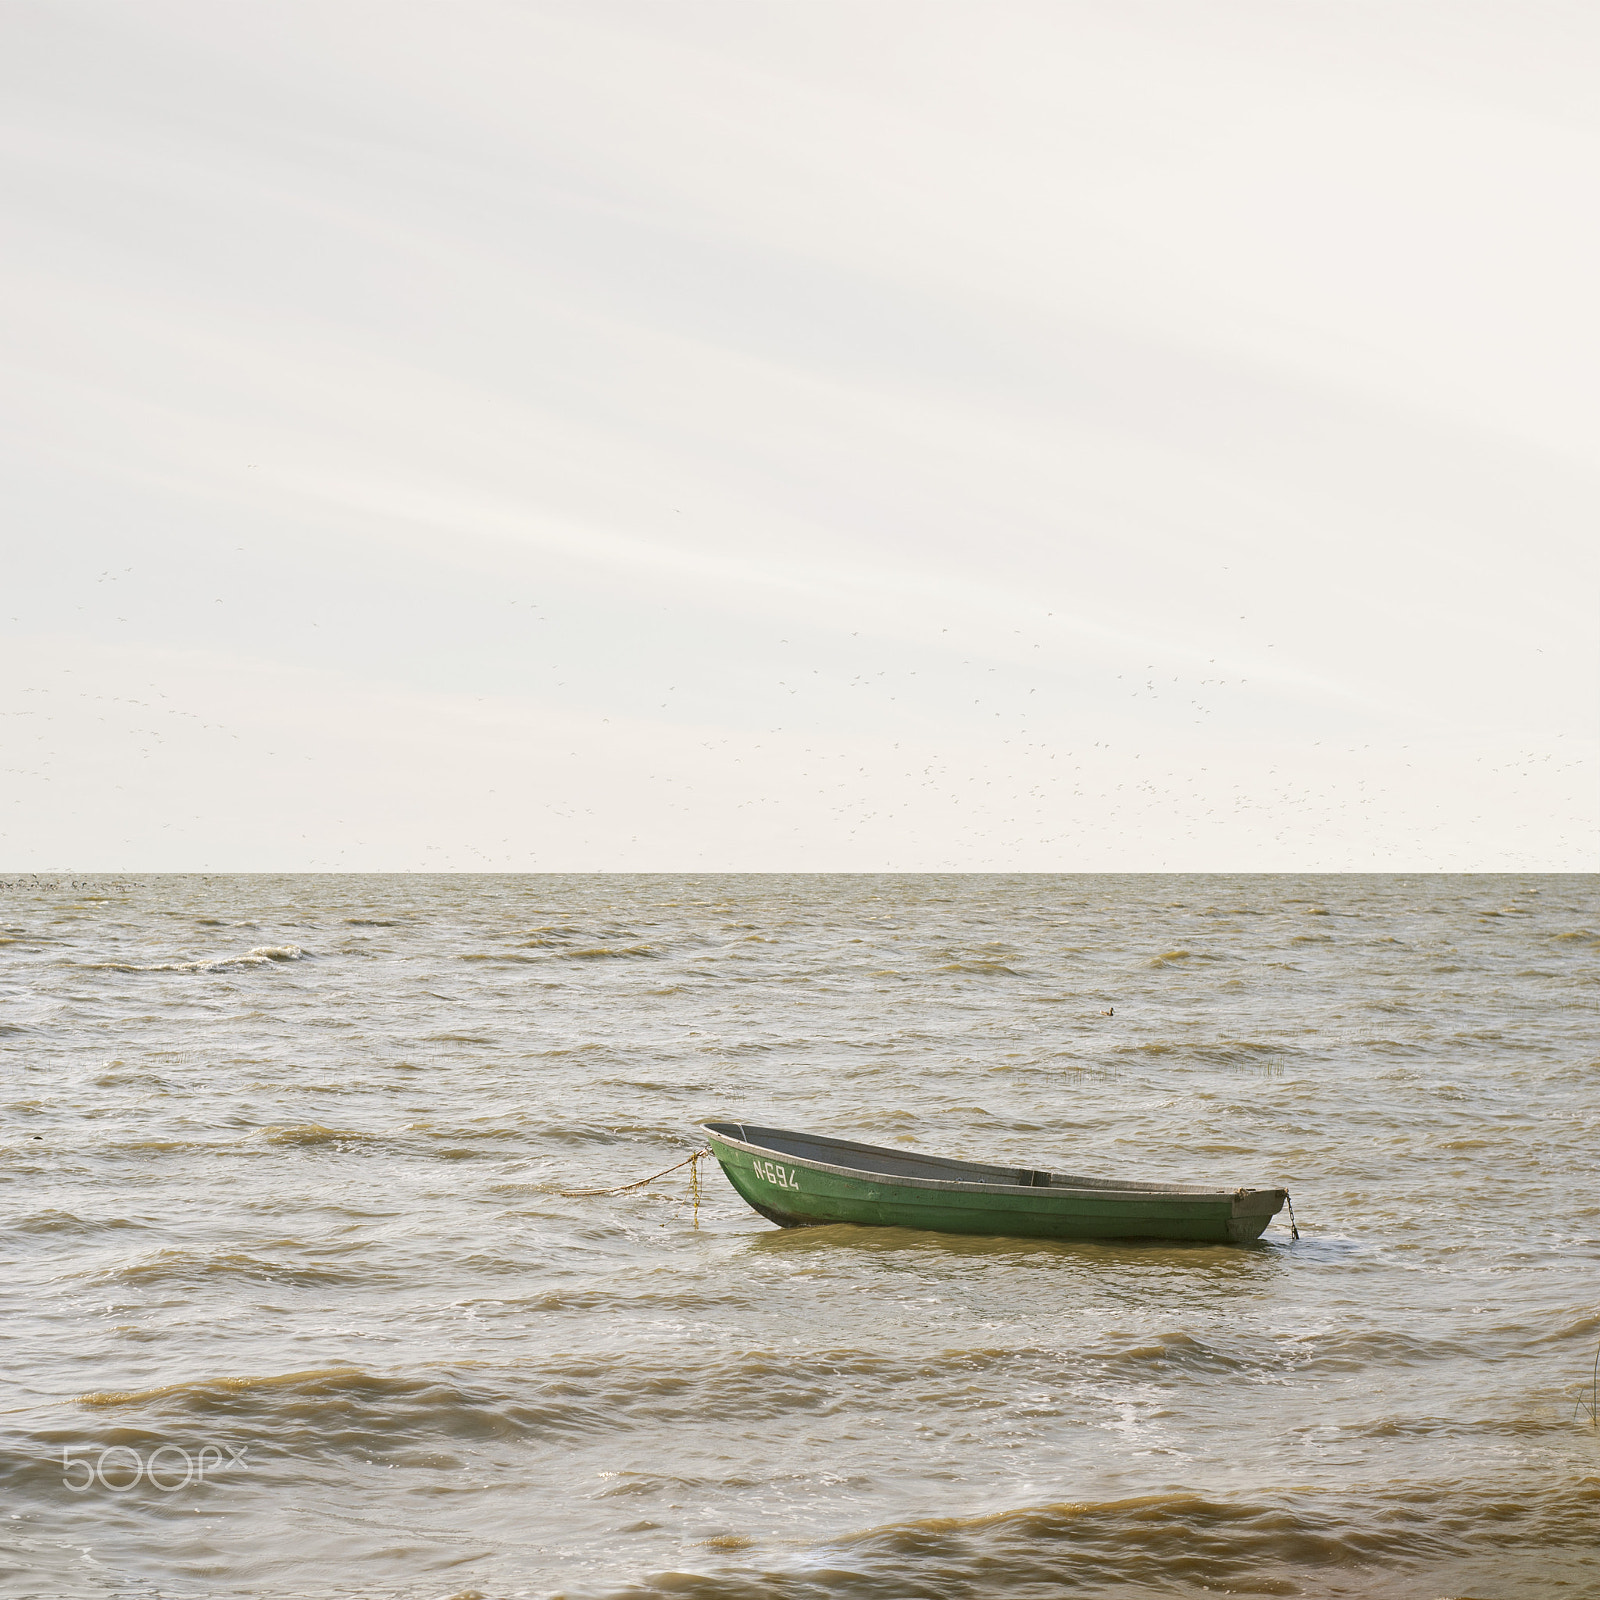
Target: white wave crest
column 260, row 956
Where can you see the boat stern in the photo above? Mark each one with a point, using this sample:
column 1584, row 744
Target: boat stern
column 1252, row 1210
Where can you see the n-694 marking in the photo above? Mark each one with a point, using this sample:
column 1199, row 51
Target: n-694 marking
column 774, row 1174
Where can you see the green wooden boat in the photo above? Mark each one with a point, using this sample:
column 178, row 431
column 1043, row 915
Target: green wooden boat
column 801, row 1180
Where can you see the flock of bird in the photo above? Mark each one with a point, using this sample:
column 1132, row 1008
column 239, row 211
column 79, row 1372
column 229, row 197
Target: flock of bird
column 864, row 754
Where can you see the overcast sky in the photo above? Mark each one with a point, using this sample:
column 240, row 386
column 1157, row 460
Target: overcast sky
column 838, row 436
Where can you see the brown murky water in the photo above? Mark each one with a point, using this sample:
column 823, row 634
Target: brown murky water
column 283, row 1233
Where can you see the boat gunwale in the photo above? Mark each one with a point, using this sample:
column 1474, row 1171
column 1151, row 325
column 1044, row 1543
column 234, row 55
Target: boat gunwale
column 1173, row 1191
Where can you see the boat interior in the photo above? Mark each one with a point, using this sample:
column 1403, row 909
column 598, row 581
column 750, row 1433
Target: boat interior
column 876, row 1159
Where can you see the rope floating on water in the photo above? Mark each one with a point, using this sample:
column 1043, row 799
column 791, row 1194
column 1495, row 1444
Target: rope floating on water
column 1294, row 1232
column 623, row 1188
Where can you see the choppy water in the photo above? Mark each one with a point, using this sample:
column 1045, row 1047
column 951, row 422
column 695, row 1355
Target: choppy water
column 282, row 1162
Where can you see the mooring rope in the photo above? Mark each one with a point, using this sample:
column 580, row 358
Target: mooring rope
column 622, row 1188
column 1592, row 1404
column 1294, row 1232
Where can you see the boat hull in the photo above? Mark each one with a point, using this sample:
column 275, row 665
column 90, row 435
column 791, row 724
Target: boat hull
column 798, row 1181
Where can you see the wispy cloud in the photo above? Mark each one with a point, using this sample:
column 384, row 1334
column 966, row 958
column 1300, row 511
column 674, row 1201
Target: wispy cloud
column 1215, row 390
